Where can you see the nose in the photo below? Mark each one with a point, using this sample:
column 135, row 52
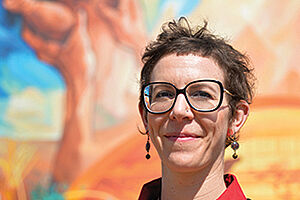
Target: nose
column 181, row 110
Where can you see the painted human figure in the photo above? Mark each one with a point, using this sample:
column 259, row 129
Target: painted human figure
column 79, row 38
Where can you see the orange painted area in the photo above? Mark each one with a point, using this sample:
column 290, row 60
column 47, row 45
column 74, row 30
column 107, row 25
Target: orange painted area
column 267, row 167
column 287, row 101
column 123, row 171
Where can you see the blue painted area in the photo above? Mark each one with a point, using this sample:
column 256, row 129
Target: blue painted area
column 181, row 8
column 23, row 70
column 18, row 63
column 3, row 94
column 10, row 33
column 51, row 193
column 19, row 67
column 5, row 127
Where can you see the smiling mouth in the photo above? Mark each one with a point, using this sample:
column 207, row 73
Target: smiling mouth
column 182, row 138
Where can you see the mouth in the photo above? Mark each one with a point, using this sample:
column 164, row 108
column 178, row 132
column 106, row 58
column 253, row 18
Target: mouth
column 182, row 137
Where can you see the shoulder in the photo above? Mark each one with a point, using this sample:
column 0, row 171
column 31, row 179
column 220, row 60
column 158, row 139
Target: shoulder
column 151, row 190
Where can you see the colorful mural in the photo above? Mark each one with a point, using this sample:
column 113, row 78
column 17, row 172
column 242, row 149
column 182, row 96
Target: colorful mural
column 69, row 89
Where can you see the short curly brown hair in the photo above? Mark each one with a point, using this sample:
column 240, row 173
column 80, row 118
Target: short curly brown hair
column 177, row 37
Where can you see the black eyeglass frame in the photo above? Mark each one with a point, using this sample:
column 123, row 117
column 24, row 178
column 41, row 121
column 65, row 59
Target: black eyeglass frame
column 183, row 91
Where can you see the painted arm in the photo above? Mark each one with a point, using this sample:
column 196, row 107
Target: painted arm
column 51, row 20
column 126, row 22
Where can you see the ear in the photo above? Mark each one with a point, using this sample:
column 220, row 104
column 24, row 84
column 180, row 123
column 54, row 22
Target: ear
column 143, row 114
column 240, row 116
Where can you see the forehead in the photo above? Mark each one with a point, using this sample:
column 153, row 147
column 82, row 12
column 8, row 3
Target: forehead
column 183, row 69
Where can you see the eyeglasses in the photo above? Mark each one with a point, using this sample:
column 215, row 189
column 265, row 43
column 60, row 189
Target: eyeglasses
column 201, row 95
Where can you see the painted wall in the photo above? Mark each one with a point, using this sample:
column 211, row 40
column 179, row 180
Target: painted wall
column 69, row 88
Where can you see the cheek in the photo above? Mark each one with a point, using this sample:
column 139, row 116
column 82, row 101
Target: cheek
column 215, row 126
column 155, row 124
column 221, row 129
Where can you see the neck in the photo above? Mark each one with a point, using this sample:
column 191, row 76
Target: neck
column 205, row 184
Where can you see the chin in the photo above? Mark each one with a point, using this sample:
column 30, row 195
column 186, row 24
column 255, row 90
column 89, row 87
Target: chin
column 181, row 162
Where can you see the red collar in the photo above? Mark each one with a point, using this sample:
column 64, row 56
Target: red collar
column 152, row 190
column 233, row 190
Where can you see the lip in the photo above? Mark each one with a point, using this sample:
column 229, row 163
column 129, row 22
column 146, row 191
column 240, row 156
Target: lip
column 182, row 137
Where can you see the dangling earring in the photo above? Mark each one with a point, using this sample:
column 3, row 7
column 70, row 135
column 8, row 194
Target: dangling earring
column 148, row 147
column 234, row 144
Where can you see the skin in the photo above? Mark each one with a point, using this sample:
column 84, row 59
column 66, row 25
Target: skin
column 191, row 144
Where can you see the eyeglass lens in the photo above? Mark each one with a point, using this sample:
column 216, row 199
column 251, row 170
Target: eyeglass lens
column 202, row 96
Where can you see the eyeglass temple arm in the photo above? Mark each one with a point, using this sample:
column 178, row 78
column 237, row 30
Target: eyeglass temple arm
column 228, row 92
column 234, row 95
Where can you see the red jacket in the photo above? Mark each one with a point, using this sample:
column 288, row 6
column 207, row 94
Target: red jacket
column 152, row 190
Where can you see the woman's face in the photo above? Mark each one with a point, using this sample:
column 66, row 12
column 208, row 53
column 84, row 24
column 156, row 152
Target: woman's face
column 185, row 139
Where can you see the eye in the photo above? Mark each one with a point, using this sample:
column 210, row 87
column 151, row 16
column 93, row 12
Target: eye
column 164, row 94
column 201, row 94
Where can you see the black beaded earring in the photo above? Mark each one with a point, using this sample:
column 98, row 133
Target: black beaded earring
column 234, row 145
column 148, row 147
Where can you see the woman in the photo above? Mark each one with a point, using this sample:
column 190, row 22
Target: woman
column 195, row 96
